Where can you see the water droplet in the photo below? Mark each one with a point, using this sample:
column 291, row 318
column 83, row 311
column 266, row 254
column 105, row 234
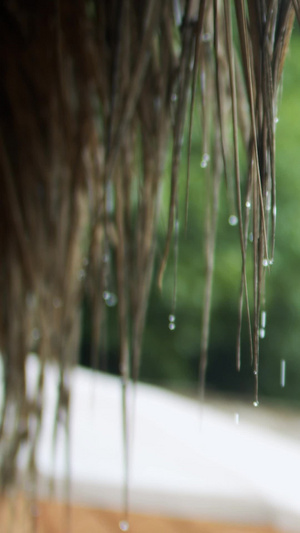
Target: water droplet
column 123, row 525
column 174, row 97
column 30, row 300
column 276, row 120
column 256, row 403
column 206, row 37
column 265, row 262
column 57, row 302
column 248, row 205
column 268, row 201
column 110, row 298
column 274, row 211
column 205, row 160
column 263, row 319
column 36, row 334
column 172, row 318
column 262, row 333
column 172, row 326
column 282, row 373
column 237, row 418
column 105, row 258
column 157, row 103
column 255, row 372
column 85, row 261
column 81, row 274
column 177, row 12
column 251, row 237
column 233, row 220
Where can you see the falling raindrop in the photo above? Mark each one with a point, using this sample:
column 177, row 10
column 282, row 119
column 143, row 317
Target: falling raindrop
column 282, row 373
column 233, row 220
column 57, row 302
column 36, row 334
column 262, row 333
column 256, row 403
column 205, row 160
column 123, row 525
column 172, row 326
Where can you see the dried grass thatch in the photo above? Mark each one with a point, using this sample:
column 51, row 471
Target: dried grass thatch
column 91, row 92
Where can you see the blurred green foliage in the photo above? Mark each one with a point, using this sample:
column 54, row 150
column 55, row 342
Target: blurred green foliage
column 171, row 358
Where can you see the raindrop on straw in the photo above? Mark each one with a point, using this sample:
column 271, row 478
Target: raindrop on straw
column 282, row 373
column 172, row 324
column 206, row 37
column 233, row 220
column 110, row 298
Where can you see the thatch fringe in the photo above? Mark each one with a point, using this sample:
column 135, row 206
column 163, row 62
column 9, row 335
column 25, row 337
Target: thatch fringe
column 90, row 94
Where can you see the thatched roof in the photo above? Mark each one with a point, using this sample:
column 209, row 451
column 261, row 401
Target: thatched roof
column 91, row 93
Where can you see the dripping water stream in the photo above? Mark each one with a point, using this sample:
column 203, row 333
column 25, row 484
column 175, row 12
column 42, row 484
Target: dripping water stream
column 172, row 316
column 124, row 524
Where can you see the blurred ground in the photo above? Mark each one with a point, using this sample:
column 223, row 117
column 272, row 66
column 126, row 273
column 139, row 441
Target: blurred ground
column 53, row 518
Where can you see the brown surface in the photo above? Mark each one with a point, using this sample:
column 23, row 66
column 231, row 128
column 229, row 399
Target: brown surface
column 53, row 518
